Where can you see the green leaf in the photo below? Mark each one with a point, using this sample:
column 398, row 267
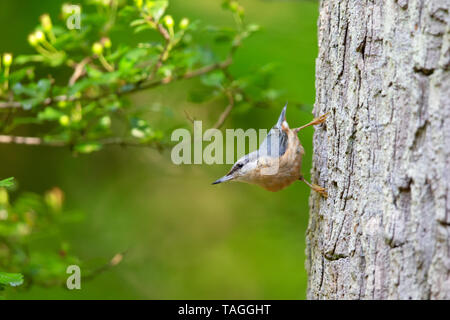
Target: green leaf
column 11, row 279
column 271, row 94
column 253, row 28
column 143, row 28
column 157, row 8
column 50, row 114
column 137, row 22
column 19, row 75
column 23, row 59
column 128, row 12
column 24, row 120
column 7, row 183
column 36, row 92
column 79, row 87
column 141, row 129
column 44, row 86
column 56, row 59
column 129, row 60
column 214, row 79
column 88, row 147
column 19, row 89
column 221, row 34
column 28, row 104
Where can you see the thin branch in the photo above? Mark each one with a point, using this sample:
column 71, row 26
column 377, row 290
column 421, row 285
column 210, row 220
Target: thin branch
column 226, row 112
column 46, row 102
column 116, row 260
column 31, row 141
column 10, row 105
column 187, row 75
column 163, row 32
column 79, row 70
column 140, row 87
column 116, row 141
column 164, row 53
column 195, row 73
column 36, row 141
column 188, row 116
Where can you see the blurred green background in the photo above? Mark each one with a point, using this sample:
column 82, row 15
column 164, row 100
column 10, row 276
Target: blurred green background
column 187, row 238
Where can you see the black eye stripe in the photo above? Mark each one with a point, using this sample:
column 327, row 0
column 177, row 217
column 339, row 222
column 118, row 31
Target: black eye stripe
column 237, row 166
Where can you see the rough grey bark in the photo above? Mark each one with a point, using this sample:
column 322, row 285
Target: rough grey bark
column 384, row 152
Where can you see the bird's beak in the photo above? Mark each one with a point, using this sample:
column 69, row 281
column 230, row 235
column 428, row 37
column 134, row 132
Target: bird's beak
column 223, row 179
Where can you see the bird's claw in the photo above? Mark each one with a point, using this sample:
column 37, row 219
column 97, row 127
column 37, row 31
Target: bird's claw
column 315, row 122
column 320, row 119
column 322, row 191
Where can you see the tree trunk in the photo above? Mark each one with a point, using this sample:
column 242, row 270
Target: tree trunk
column 384, row 152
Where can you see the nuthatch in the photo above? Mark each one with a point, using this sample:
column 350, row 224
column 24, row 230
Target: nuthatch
column 277, row 162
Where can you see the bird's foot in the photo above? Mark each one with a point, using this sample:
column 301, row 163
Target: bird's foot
column 322, row 191
column 315, row 122
column 320, row 119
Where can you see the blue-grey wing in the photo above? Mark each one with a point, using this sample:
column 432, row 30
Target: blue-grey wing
column 275, row 143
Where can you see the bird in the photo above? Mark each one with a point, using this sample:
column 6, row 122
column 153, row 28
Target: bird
column 277, row 163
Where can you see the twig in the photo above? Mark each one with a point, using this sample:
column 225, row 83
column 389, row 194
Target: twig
column 226, row 112
column 122, row 91
column 79, row 71
column 36, row 141
column 10, row 105
column 222, row 65
column 46, row 102
column 164, row 53
column 32, row 141
column 188, row 116
column 116, row 141
column 117, row 259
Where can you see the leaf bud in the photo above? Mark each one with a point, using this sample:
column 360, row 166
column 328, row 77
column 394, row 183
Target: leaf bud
column 97, row 48
column 168, row 21
column 7, row 59
column 46, row 22
column 184, row 23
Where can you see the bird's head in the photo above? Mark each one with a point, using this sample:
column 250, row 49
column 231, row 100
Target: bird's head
column 249, row 168
column 242, row 170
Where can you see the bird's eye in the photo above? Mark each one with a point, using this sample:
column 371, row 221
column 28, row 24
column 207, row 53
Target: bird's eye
column 236, row 167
